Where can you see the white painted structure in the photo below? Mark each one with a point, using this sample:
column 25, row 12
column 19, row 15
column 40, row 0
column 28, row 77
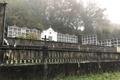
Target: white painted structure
column 110, row 42
column 67, row 38
column 50, row 34
column 106, row 42
column 15, row 31
column 89, row 39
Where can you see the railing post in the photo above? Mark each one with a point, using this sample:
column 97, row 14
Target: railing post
column 3, row 23
column 2, row 56
column 99, row 58
column 45, row 54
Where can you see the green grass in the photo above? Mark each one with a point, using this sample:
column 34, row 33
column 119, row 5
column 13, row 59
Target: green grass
column 102, row 76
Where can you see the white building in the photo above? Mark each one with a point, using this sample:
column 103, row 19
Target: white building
column 50, row 34
column 55, row 36
column 15, row 31
column 67, row 38
column 106, row 42
column 110, row 42
column 115, row 42
column 89, row 39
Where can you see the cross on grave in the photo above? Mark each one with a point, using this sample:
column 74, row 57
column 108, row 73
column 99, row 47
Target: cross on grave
column 45, row 39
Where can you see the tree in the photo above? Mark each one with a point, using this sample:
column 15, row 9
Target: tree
column 65, row 16
column 22, row 13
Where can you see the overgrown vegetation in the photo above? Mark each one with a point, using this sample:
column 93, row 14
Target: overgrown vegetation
column 102, row 76
column 31, row 36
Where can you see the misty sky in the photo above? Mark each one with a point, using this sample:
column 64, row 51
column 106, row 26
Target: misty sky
column 112, row 6
column 112, row 9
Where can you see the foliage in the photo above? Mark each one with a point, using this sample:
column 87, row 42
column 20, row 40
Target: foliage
column 103, row 76
column 65, row 16
column 31, row 36
column 22, row 13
